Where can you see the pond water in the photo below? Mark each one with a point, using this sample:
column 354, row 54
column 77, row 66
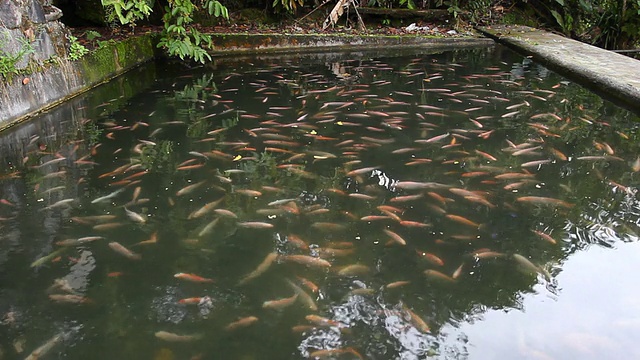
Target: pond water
column 451, row 205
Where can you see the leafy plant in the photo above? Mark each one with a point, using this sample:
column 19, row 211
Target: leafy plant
column 289, row 6
column 453, row 7
column 611, row 24
column 9, row 61
column 380, row 3
column 409, row 3
column 76, row 50
column 178, row 37
column 618, row 27
column 92, row 36
column 182, row 40
column 479, row 9
column 127, row 11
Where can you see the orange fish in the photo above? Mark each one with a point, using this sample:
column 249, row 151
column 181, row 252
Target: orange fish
column 409, row 223
column 462, row 220
column 433, row 259
column 486, row 156
column 191, row 301
column 540, row 200
column 279, row 303
column 152, row 240
column 306, row 260
column 309, row 285
column 395, row 237
column 117, row 247
column 437, row 275
column 192, row 278
column 545, row 236
column 322, row 321
column 244, row 322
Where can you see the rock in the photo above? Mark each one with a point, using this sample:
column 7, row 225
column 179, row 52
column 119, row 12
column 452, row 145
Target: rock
column 12, row 41
column 452, row 32
column 10, row 14
column 35, row 13
column 91, row 11
column 52, row 13
column 59, row 37
column 43, row 44
column 413, row 27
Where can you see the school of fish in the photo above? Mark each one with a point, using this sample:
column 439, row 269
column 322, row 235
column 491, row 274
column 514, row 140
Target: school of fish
column 327, row 189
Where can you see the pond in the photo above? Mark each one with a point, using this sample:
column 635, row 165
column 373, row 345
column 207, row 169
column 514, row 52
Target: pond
column 426, row 204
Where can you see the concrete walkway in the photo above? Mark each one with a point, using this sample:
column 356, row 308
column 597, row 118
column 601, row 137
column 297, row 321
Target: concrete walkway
column 611, row 75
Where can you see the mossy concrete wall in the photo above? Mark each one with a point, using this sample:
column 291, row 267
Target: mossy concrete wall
column 60, row 79
column 227, row 44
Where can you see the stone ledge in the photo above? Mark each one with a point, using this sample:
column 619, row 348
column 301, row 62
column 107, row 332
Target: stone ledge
column 610, row 75
column 234, row 43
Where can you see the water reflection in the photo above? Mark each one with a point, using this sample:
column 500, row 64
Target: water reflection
column 367, row 208
column 569, row 326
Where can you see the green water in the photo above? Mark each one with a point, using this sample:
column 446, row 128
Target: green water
column 492, row 173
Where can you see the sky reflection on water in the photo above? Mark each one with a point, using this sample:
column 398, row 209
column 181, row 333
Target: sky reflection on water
column 594, row 316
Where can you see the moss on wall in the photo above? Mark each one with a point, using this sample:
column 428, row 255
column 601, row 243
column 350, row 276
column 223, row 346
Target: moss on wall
column 113, row 59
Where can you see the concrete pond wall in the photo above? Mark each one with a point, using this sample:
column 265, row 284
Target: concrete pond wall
column 62, row 79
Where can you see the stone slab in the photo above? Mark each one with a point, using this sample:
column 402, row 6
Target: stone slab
column 611, row 75
column 227, row 44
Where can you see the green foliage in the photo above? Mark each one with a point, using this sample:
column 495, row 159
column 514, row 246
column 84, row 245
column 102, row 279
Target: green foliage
column 611, row 24
column 478, row 10
column 9, row 61
column 189, row 104
column 177, row 42
column 93, row 36
column 452, row 6
column 290, row 6
column 263, row 169
column 216, row 9
column 182, row 40
column 565, row 22
column 178, row 37
column 158, row 157
column 409, row 4
column 93, row 133
column 76, row 50
column 127, row 11
column 379, row 3
column 230, row 122
column 618, row 27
